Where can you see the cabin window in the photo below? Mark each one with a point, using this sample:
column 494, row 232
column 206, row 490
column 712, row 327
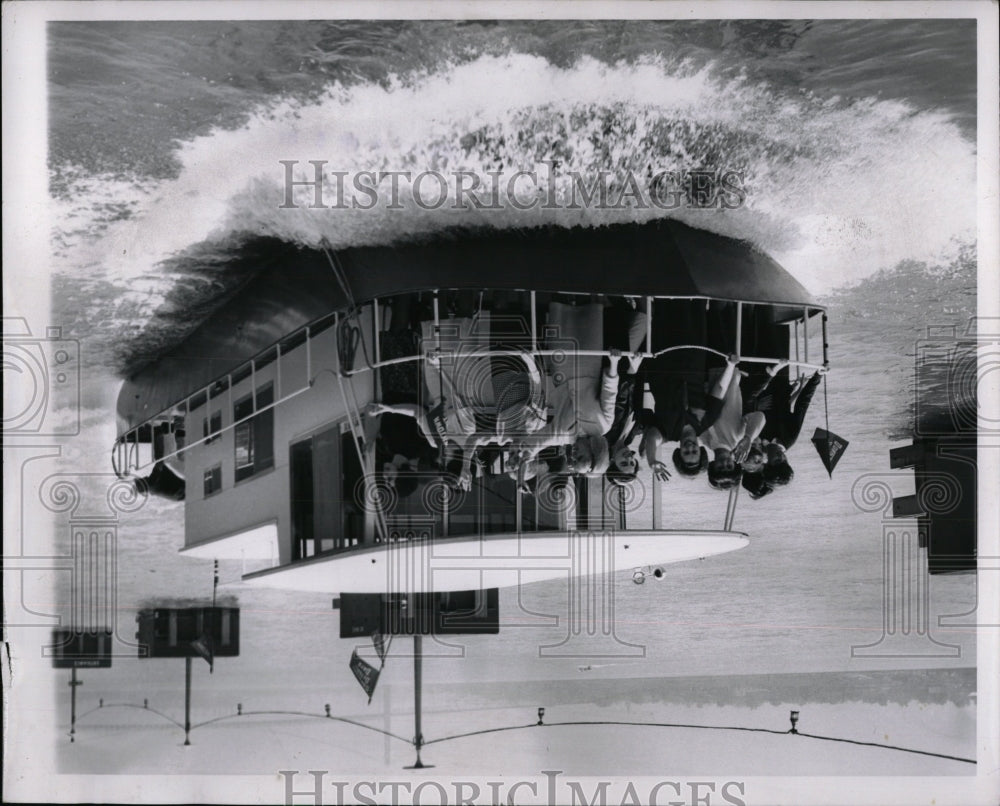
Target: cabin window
column 211, row 427
column 254, row 439
column 213, row 480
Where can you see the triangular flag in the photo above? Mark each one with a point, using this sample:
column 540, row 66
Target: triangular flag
column 366, row 674
column 203, row 648
column 830, row 448
column 378, row 640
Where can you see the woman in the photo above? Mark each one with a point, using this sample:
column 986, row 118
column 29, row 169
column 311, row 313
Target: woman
column 685, row 413
column 730, row 437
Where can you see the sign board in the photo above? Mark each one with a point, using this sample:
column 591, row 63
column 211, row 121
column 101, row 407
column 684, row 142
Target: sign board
column 78, row 649
column 454, row 613
column 183, row 632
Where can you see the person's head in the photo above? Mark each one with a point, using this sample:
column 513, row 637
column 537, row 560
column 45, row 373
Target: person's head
column 723, row 471
column 588, row 454
column 755, row 459
column 624, row 461
column 755, row 485
column 401, row 475
column 690, row 457
column 777, row 471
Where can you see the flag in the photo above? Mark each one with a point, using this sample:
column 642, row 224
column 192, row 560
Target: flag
column 366, row 674
column 378, row 640
column 830, row 448
column 203, row 648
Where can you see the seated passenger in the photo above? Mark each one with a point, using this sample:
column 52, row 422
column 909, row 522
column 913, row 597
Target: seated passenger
column 583, row 395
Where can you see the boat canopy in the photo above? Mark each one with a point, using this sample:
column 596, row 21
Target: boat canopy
column 662, row 259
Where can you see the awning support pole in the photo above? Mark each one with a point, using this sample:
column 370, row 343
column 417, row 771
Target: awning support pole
column 534, row 324
column 739, row 326
column 657, row 504
column 731, row 507
column 187, row 700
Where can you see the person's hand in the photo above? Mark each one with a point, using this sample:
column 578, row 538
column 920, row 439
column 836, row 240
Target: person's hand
column 733, row 359
column 741, row 450
column 434, row 357
column 375, row 409
column 825, row 368
column 774, row 369
column 660, row 472
column 634, row 362
column 465, row 481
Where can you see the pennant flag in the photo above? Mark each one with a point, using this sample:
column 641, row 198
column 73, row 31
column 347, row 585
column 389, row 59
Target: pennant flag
column 830, row 448
column 366, row 674
column 203, row 648
column 378, row 640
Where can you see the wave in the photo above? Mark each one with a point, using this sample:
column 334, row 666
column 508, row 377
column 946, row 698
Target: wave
column 837, row 188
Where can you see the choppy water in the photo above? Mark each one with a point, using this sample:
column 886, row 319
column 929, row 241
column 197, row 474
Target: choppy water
column 857, row 142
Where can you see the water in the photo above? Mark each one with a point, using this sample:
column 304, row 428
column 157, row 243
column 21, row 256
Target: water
column 857, row 143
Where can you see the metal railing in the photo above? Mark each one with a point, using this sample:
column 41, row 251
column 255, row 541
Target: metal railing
column 125, row 451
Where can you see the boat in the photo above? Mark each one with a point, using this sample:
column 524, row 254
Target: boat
column 260, row 418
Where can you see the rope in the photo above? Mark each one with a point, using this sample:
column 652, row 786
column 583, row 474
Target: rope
column 130, row 705
column 702, row 727
column 503, row 729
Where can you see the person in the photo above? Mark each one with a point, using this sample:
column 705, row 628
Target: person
column 756, row 485
column 583, row 393
column 626, row 427
column 685, row 414
column 777, row 471
column 785, row 402
column 449, row 428
column 730, row 437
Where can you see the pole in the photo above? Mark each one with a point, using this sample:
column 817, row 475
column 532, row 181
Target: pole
column 418, row 738
column 187, row 700
column 73, row 683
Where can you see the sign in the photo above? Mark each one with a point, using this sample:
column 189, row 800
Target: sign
column 830, row 448
column 378, row 640
column 366, row 674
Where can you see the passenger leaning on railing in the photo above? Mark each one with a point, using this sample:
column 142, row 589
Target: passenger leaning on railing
column 683, row 412
column 785, row 404
column 731, row 436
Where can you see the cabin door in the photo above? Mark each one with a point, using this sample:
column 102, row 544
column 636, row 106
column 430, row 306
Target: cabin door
column 324, row 473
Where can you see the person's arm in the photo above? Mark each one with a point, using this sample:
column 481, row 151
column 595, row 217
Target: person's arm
column 722, row 385
column 609, row 392
column 408, row 409
column 754, row 422
column 652, row 440
column 753, row 395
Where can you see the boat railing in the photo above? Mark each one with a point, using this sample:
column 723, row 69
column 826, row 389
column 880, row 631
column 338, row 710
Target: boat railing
column 125, row 453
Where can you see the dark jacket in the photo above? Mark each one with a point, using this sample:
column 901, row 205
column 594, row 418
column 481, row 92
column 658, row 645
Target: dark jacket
column 773, row 397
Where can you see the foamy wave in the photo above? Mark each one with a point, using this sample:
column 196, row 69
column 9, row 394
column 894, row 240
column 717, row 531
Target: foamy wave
column 837, row 189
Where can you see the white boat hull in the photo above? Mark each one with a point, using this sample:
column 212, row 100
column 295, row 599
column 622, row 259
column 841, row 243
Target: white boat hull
column 502, row 560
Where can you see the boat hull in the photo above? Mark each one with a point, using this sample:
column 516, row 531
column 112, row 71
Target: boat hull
column 503, row 560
